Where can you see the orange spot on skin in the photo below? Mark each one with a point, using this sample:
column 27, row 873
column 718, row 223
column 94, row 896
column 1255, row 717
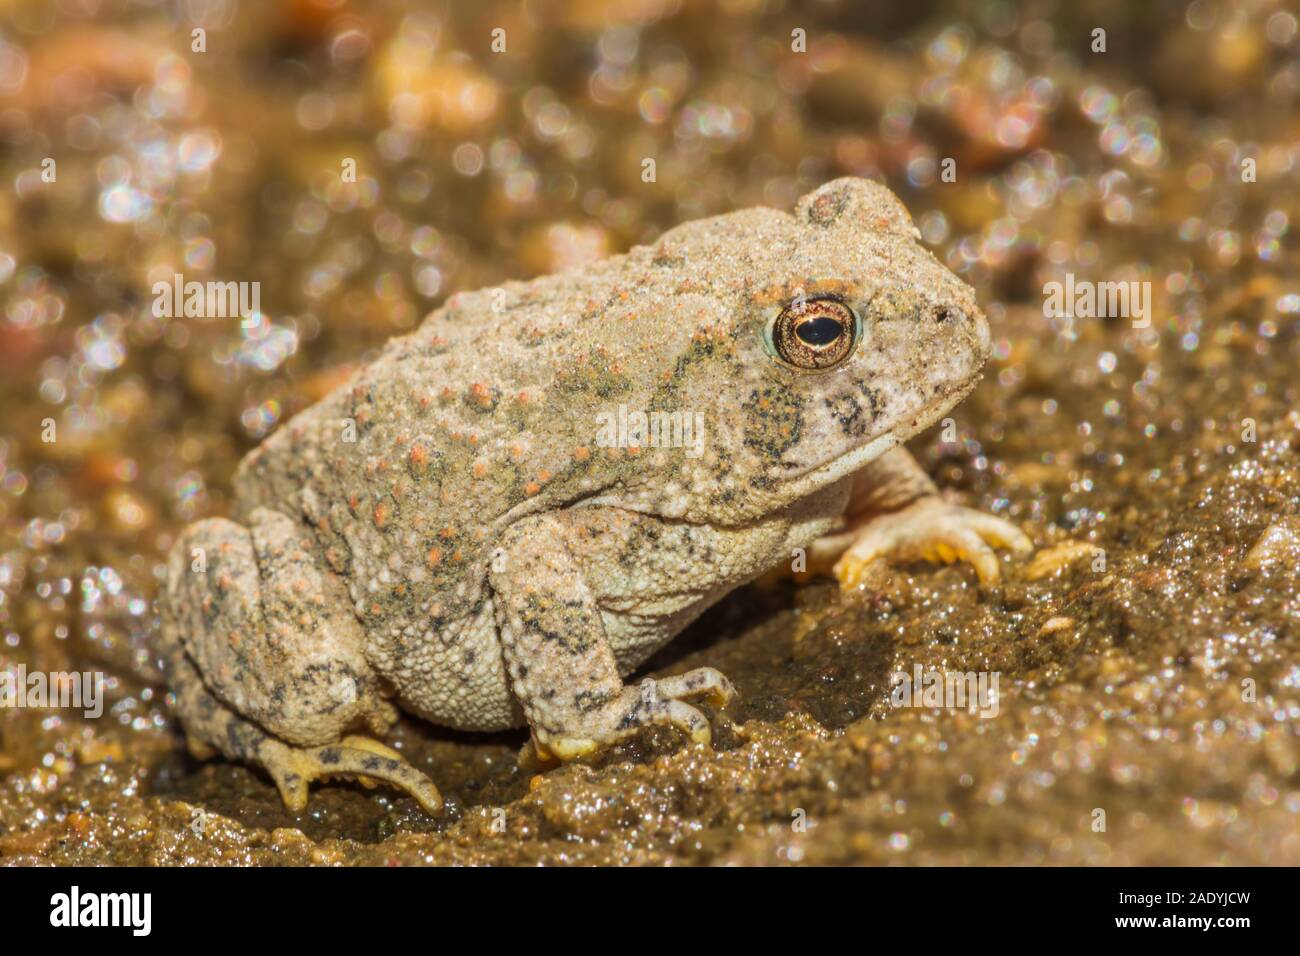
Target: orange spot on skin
column 532, row 488
column 581, row 453
column 447, row 533
column 434, row 557
column 457, row 556
column 480, row 468
column 419, row 456
column 382, row 513
column 523, row 398
column 543, row 476
column 517, row 452
column 481, row 394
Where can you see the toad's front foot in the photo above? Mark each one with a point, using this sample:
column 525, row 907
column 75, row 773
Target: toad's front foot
column 633, row 708
column 931, row 529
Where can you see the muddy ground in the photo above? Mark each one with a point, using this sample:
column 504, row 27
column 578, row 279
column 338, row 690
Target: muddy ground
column 1149, row 681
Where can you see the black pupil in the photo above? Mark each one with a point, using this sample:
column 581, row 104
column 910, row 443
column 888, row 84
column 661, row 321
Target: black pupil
column 820, row 331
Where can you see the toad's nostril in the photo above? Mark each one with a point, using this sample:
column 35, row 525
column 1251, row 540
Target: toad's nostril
column 944, row 314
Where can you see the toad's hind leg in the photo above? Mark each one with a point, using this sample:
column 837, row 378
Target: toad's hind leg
column 265, row 658
column 211, row 725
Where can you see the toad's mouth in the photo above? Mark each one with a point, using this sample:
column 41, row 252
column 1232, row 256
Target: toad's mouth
column 819, row 476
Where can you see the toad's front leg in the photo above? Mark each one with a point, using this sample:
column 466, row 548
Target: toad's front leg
column 896, row 511
column 561, row 666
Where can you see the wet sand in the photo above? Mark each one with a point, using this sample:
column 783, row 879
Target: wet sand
column 1148, row 676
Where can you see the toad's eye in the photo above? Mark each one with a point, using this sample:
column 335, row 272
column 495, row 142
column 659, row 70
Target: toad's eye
column 815, row 334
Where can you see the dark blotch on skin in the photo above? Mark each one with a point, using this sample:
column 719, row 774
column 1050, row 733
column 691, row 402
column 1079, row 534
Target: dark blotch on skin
column 773, row 421
column 242, row 741
column 587, row 701
column 827, row 208
column 874, row 400
column 853, row 420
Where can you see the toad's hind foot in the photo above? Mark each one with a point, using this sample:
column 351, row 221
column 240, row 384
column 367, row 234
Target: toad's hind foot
column 213, row 727
column 293, row 768
column 931, row 529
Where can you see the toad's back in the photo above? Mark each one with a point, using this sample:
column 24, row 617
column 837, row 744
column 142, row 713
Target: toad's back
column 407, row 474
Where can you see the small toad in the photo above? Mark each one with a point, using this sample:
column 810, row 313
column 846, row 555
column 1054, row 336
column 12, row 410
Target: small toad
column 513, row 507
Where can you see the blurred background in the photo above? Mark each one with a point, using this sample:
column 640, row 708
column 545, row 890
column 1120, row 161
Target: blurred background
column 217, row 154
